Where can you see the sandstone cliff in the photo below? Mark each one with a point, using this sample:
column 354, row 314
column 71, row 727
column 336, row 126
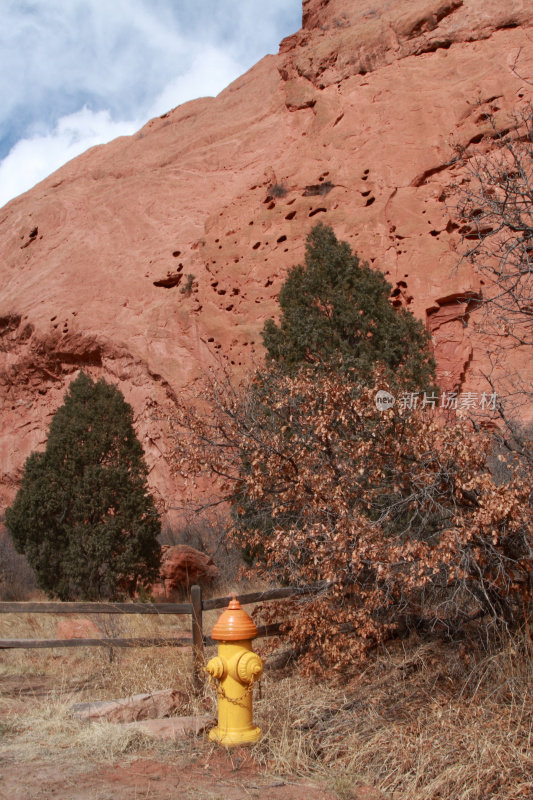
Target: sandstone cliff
column 353, row 123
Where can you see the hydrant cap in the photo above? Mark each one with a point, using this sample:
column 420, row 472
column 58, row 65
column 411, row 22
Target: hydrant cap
column 234, row 624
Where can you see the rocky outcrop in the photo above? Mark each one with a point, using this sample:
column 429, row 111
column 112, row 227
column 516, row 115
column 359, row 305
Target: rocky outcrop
column 152, row 257
column 181, row 567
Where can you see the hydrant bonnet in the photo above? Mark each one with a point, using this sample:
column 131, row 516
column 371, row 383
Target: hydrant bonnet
column 234, row 625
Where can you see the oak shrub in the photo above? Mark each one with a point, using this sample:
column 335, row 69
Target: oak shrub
column 394, row 514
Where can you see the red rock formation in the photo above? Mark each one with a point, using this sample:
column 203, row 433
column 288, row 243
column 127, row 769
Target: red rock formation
column 353, row 123
column 182, row 566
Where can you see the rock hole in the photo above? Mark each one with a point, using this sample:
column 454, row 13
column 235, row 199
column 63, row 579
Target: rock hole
column 365, row 194
column 256, row 246
column 451, row 226
column 221, row 291
column 268, row 283
column 176, row 253
column 317, row 211
column 235, row 292
column 281, row 239
column 169, row 282
column 230, row 307
column 211, row 339
column 271, row 205
column 434, row 233
column 291, row 215
column 318, row 189
column 370, row 201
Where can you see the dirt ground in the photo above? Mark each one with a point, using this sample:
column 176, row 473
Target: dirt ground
column 218, row 776
column 201, row 772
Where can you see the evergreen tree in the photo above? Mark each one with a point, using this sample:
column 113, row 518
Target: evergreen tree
column 336, row 311
column 83, row 515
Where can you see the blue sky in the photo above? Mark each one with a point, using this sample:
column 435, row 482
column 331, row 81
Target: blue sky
column 75, row 73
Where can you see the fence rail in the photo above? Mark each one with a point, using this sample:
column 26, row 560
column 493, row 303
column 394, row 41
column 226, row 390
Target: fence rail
column 198, row 640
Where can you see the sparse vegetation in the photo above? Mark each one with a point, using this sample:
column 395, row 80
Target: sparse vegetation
column 277, row 190
column 424, row 719
column 187, row 287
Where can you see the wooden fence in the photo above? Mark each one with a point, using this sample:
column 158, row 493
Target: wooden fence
column 194, row 609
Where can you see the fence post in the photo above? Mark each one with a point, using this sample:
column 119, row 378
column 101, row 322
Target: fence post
column 197, row 639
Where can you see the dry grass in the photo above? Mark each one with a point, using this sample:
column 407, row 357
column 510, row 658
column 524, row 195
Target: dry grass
column 422, row 721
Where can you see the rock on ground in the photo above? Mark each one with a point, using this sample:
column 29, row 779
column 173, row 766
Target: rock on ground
column 154, row 705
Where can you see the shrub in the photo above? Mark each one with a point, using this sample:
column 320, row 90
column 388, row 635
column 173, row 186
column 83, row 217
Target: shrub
column 394, row 513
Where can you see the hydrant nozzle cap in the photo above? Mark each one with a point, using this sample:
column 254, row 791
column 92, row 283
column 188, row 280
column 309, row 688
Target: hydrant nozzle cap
column 234, row 624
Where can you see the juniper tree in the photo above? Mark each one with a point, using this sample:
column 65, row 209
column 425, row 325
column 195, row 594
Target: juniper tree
column 336, row 310
column 83, row 515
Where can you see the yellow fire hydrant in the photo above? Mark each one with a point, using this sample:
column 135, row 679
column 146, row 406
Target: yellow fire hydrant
column 236, row 668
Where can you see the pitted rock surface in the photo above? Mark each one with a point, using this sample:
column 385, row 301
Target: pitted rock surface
column 148, row 259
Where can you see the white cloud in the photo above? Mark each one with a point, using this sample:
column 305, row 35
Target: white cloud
column 210, row 71
column 31, row 160
column 81, row 73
